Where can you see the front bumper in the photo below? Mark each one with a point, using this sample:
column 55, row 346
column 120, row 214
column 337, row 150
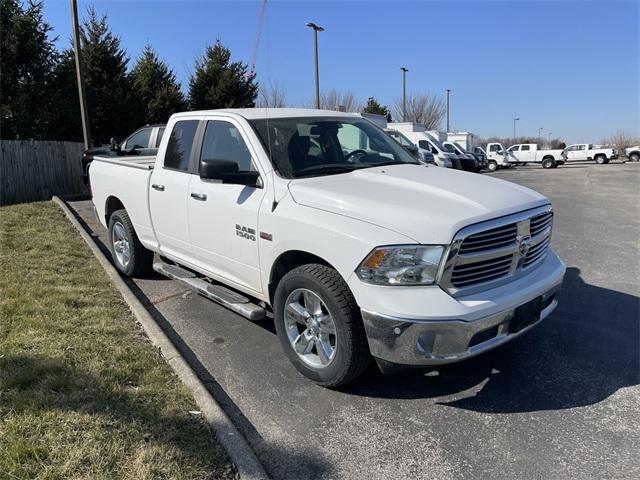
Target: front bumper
column 478, row 326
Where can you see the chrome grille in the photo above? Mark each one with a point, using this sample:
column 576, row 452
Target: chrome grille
column 486, row 254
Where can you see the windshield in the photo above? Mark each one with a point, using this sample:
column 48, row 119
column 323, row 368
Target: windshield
column 449, row 148
column 439, row 145
column 459, row 147
column 312, row 146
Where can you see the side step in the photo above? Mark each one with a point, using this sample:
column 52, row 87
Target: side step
column 216, row 292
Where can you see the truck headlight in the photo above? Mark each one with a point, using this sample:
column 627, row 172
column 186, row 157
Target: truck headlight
column 402, row 265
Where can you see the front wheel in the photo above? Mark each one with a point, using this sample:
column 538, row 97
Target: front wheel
column 548, row 163
column 129, row 256
column 634, row 157
column 492, row 166
column 319, row 325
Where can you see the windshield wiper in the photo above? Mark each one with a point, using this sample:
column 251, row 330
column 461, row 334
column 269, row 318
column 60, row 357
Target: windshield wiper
column 391, row 162
column 323, row 170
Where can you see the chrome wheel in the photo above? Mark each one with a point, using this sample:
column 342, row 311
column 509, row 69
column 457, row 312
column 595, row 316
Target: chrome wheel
column 310, row 328
column 121, row 244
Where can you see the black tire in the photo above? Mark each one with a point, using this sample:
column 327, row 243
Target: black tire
column 601, row 159
column 548, row 163
column 634, row 157
column 140, row 259
column 352, row 351
column 555, row 165
column 492, row 166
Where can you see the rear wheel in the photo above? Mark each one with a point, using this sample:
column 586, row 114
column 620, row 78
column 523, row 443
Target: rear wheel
column 492, row 166
column 129, row 256
column 634, row 157
column 548, row 163
column 601, row 159
column 319, row 325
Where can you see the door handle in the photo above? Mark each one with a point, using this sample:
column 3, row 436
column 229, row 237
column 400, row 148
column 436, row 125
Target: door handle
column 199, row 196
column 160, row 188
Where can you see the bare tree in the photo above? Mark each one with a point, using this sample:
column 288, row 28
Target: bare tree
column 422, row 108
column 621, row 140
column 336, row 100
column 272, row 95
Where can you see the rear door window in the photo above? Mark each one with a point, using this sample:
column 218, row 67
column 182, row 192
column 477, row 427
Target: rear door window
column 526, row 148
column 180, row 145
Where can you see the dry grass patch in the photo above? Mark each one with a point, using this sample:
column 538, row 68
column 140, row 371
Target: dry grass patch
column 83, row 393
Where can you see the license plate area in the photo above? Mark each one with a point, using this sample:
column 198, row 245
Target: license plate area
column 526, row 315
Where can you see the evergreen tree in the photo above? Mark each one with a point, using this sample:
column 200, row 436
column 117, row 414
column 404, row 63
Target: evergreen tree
column 27, row 60
column 156, row 88
column 220, row 83
column 373, row 106
column 111, row 103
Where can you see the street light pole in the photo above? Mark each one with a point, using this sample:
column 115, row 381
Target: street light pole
column 404, row 93
column 84, row 111
column 448, row 92
column 514, row 127
column 540, row 132
column 316, row 29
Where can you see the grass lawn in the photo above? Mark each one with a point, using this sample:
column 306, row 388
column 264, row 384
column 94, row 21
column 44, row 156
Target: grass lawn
column 83, row 393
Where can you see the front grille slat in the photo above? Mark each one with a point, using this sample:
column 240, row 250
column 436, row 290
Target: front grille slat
column 493, row 254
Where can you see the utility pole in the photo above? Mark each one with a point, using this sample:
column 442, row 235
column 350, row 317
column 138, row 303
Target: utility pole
column 84, row 112
column 316, row 29
column 448, row 128
column 404, row 93
column 514, row 127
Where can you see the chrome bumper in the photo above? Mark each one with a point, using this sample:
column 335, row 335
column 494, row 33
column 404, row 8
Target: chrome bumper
column 409, row 342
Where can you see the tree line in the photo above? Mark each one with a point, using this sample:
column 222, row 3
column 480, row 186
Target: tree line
column 39, row 96
column 38, row 91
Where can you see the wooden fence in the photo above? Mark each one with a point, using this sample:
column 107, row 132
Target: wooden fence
column 36, row 170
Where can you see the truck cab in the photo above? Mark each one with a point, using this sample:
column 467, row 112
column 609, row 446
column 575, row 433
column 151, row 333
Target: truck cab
column 498, row 157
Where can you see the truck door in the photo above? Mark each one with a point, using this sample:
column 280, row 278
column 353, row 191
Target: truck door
column 168, row 192
column 526, row 154
column 223, row 217
column 576, row 152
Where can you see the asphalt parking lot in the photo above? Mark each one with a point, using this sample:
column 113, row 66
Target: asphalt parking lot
column 559, row 402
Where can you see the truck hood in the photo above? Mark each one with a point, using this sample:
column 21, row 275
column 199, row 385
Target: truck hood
column 427, row 204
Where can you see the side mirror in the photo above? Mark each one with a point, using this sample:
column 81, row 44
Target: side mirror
column 227, row 171
column 115, row 146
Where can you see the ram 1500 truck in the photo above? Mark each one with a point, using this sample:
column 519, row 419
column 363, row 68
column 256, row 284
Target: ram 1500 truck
column 581, row 152
column 530, row 153
column 318, row 217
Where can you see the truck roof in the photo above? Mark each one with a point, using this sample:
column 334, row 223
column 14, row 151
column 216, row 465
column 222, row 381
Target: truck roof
column 260, row 113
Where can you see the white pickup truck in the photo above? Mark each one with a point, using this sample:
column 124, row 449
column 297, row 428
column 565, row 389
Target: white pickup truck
column 321, row 219
column 582, row 152
column 531, row 153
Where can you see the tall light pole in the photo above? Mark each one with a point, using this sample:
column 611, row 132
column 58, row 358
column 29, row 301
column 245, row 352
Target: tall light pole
column 448, row 92
column 316, row 29
column 540, row 132
column 404, row 93
column 549, row 136
column 84, row 112
column 514, row 127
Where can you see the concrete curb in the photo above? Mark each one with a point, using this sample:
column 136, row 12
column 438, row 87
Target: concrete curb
column 245, row 460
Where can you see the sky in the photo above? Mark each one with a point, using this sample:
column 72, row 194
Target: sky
column 568, row 67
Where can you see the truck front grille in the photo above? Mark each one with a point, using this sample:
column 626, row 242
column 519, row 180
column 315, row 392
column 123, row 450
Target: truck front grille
column 493, row 252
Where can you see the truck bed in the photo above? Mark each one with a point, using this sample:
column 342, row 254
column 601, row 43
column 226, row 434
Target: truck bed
column 134, row 161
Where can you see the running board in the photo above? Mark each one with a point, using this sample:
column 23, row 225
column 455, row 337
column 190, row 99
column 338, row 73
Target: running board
column 216, row 292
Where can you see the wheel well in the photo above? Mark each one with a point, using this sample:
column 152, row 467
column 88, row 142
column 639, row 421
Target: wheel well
column 548, row 157
column 287, row 262
column 113, row 204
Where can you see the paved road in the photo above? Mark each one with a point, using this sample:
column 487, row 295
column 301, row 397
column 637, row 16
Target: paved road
column 560, row 402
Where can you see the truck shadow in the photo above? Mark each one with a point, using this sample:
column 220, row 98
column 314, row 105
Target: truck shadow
column 585, row 352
